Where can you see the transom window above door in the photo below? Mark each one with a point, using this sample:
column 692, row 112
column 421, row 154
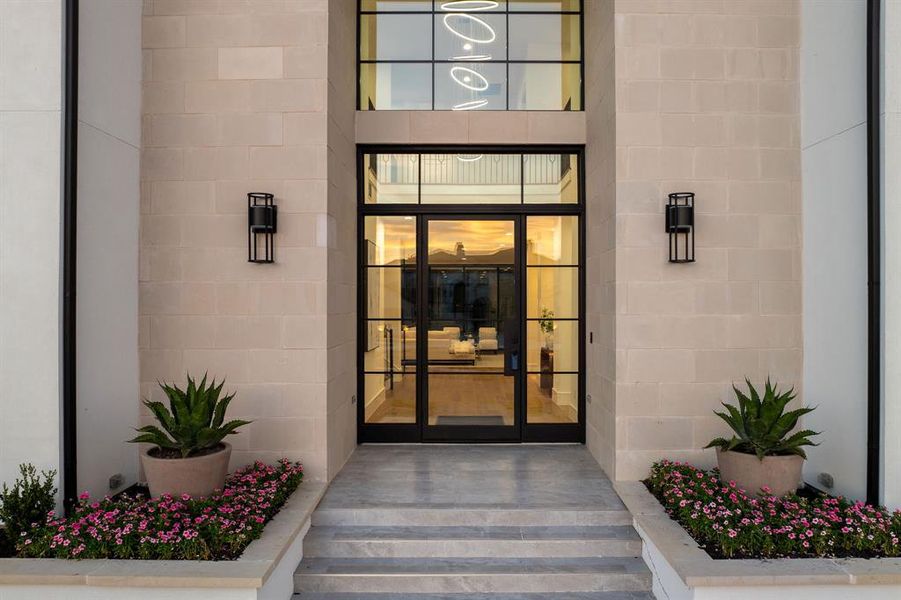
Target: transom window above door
column 470, row 55
column 470, row 178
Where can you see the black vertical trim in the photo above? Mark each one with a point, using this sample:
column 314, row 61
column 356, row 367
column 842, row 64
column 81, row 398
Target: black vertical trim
column 507, row 56
column 422, row 319
column 520, row 261
column 583, row 293
column 359, row 103
column 582, row 16
column 874, row 252
column 70, row 224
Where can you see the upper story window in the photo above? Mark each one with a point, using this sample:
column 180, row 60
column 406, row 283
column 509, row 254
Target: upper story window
column 470, row 55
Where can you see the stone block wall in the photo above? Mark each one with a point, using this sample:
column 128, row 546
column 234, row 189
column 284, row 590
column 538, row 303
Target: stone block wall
column 258, row 95
column 600, row 216
column 342, row 235
column 707, row 100
column 237, row 98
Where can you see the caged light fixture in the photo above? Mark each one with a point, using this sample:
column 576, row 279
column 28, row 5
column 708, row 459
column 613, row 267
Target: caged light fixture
column 680, row 225
column 262, row 217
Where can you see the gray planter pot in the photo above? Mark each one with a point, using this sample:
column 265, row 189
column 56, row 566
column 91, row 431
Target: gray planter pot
column 781, row 474
column 195, row 476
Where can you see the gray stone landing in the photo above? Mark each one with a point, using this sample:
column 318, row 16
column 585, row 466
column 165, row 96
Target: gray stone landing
column 488, row 522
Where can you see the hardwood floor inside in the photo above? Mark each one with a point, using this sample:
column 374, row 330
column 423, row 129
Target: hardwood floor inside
column 457, row 395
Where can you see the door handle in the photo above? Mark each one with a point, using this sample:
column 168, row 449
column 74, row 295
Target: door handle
column 511, row 346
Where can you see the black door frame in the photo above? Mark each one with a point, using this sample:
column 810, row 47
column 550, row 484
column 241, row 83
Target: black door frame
column 464, row 433
column 415, row 432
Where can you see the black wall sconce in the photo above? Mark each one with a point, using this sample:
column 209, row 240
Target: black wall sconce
column 262, row 219
column 680, row 225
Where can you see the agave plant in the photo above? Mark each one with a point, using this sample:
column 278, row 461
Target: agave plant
column 762, row 426
column 194, row 421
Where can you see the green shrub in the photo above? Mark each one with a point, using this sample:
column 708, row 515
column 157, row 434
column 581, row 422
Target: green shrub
column 217, row 527
column 25, row 505
column 194, row 420
column 762, row 426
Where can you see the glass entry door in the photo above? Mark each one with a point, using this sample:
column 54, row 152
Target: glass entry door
column 470, row 351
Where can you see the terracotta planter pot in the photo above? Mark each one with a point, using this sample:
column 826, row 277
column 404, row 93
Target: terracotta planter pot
column 782, row 474
column 195, row 476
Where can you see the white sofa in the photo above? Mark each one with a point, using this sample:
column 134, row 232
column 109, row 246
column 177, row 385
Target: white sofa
column 443, row 345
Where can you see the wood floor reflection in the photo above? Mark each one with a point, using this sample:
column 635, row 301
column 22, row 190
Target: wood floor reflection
column 461, row 395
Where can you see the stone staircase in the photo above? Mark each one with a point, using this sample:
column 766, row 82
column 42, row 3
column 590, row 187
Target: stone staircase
column 367, row 544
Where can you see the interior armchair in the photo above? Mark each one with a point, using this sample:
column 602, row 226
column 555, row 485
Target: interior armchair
column 488, row 339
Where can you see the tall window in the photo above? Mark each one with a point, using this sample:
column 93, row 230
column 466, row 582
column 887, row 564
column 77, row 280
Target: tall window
column 470, row 55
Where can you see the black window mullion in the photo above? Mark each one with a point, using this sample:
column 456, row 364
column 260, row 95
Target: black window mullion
column 522, row 157
column 532, row 372
column 527, row 319
column 507, row 57
column 434, row 27
column 553, row 266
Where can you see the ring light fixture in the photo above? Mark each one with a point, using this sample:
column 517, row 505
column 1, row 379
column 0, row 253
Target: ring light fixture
column 492, row 35
column 472, row 104
column 469, row 5
column 469, row 79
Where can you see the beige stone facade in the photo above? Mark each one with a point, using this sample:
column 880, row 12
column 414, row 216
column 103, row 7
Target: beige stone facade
column 250, row 95
column 707, row 100
column 239, row 97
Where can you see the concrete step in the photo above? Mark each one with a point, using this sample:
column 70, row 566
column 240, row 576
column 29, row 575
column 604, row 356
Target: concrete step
column 487, row 596
column 468, row 517
column 472, row 575
column 464, row 542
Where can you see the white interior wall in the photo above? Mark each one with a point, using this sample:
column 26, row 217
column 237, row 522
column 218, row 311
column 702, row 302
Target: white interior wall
column 834, row 168
column 30, row 227
column 109, row 140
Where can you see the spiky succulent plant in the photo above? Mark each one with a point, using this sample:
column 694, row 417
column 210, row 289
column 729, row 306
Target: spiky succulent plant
column 762, row 426
column 194, row 421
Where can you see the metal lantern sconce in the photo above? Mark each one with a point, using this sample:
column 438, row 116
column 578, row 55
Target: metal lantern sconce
column 262, row 219
column 680, row 225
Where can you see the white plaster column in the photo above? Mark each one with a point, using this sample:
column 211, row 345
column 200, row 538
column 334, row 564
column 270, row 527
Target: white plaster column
column 834, row 189
column 109, row 142
column 30, row 227
column 891, row 265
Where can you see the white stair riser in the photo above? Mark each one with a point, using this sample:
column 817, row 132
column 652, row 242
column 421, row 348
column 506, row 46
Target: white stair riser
column 437, row 517
column 469, row 548
column 518, row 582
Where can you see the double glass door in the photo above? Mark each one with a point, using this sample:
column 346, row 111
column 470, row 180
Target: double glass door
column 472, row 328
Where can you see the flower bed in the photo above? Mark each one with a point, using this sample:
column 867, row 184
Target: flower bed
column 215, row 528
column 729, row 523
